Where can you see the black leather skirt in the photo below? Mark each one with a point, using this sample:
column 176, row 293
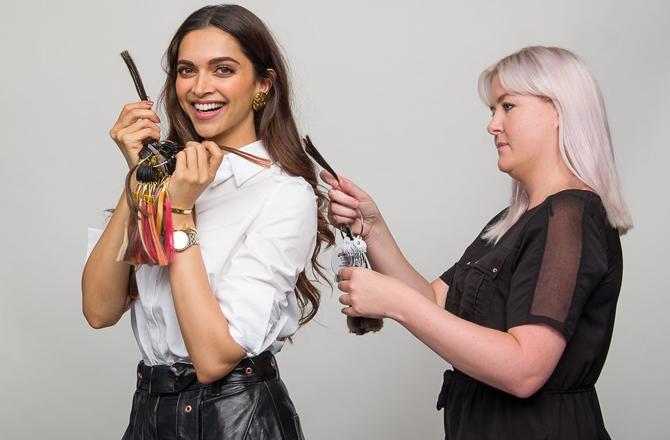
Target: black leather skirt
column 249, row 403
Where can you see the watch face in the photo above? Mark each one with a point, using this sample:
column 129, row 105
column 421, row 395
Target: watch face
column 180, row 239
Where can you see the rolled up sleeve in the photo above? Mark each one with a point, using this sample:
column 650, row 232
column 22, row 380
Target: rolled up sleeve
column 93, row 237
column 256, row 289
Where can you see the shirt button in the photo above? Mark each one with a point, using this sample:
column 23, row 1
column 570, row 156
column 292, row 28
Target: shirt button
column 494, row 270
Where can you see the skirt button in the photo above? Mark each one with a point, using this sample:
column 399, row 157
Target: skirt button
column 188, row 409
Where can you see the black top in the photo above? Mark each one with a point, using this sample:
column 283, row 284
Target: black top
column 560, row 265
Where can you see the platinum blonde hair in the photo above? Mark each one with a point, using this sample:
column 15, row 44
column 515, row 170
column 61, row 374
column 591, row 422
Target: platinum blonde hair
column 583, row 135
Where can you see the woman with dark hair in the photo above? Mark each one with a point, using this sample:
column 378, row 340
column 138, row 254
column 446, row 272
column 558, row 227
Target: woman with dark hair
column 209, row 323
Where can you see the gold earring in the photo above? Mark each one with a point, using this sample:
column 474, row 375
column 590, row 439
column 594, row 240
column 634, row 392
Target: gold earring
column 259, row 101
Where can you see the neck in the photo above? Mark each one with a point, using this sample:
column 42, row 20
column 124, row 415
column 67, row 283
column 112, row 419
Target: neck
column 548, row 182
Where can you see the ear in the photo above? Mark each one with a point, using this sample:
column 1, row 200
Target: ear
column 265, row 83
column 555, row 115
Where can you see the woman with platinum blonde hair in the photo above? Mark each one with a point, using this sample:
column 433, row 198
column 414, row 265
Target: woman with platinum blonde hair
column 525, row 316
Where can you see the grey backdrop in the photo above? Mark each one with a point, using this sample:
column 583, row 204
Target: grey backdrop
column 387, row 90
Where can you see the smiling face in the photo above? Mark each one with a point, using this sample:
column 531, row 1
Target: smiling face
column 215, row 86
column 525, row 131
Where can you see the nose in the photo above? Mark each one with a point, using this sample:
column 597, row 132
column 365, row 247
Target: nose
column 202, row 85
column 495, row 125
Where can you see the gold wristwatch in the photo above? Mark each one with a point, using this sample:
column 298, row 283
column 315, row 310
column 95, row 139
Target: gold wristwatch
column 185, row 238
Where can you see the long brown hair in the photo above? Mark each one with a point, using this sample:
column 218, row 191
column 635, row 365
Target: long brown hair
column 274, row 124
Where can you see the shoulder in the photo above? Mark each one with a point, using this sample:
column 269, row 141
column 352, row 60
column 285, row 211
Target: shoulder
column 291, row 192
column 569, row 216
column 575, row 199
column 568, row 207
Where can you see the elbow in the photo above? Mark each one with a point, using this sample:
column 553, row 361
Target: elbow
column 211, row 369
column 97, row 313
column 98, row 321
column 524, row 388
column 99, row 324
column 205, row 377
column 523, row 392
column 207, row 374
column 215, row 359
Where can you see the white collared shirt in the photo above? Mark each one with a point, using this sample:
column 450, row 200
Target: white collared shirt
column 257, row 230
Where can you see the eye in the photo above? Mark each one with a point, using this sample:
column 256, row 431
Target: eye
column 184, row 71
column 224, row 70
column 507, row 106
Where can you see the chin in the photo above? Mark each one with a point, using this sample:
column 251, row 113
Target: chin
column 503, row 166
column 208, row 131
column 205, row 134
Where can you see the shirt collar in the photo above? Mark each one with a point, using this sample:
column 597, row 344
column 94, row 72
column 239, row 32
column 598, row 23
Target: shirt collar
column 241, row 168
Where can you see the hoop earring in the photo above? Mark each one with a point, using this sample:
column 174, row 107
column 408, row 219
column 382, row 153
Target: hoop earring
column 259, row 101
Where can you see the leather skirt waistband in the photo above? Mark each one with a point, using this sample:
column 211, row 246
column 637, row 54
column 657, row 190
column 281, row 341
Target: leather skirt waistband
column 251, row 402
column 179, row 377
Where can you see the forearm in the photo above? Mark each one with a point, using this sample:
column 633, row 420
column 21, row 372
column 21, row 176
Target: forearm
column 494, row 357
column 205, row 330
column 104, row 281
column 386, row 257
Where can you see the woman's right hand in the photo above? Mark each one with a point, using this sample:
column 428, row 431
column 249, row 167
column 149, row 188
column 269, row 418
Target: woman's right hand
column 348, row 203
column 136, row 124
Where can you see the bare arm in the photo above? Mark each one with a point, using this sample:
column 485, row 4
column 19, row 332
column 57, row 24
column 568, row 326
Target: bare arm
column 386, row 257
column 440, row 290
column 204, row 327
column 518, row 361
column 104, row 281
column 347, row 204
column 213, row 351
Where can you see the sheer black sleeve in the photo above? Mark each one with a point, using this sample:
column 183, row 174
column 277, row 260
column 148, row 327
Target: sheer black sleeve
column 561, row 260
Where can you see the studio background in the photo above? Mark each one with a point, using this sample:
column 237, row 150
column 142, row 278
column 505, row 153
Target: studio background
column 387, row 91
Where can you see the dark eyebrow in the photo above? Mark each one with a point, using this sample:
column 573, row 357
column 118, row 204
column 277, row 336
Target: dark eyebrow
column 212, row 61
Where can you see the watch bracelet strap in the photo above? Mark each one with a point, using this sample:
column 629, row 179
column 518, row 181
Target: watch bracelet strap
column 192, row 236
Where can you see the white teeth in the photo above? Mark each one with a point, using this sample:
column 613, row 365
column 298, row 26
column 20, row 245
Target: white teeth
column 208, row 107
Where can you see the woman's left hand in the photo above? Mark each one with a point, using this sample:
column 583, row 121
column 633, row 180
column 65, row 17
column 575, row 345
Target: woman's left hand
column 196, row 167
column 371, row 294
